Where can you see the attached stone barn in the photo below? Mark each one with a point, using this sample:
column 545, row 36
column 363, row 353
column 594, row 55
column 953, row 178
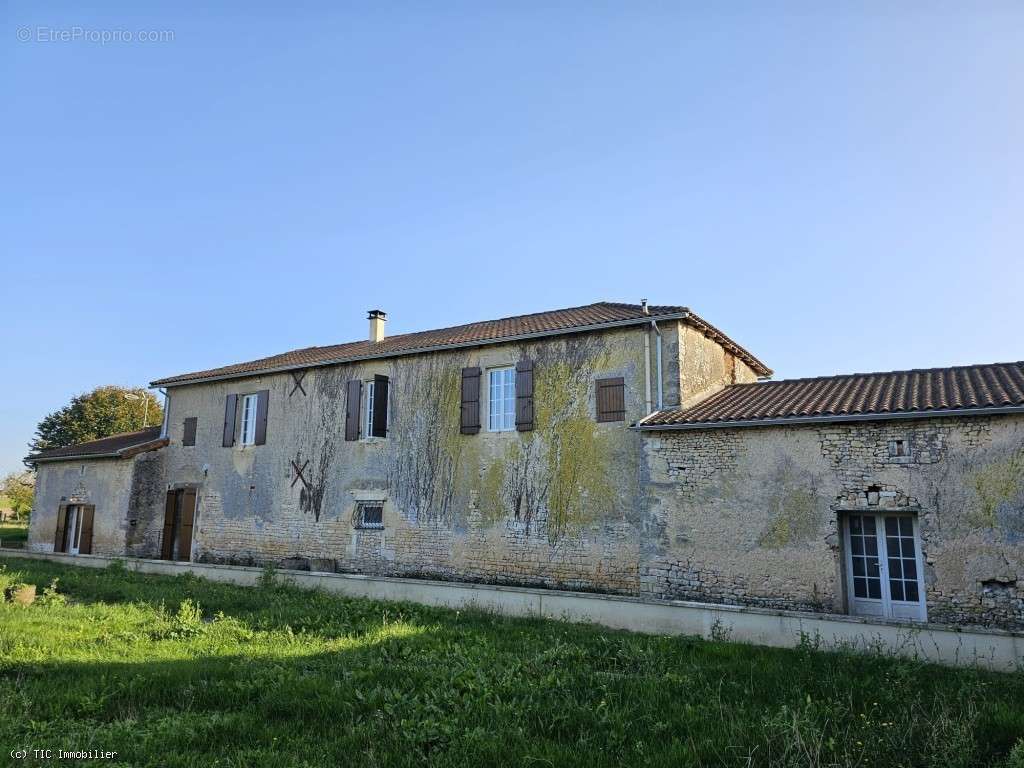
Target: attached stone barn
column 618, row 448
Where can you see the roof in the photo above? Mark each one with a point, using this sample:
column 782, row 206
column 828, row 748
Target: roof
column 968, row 389
column 555, row 322
column 120, row 446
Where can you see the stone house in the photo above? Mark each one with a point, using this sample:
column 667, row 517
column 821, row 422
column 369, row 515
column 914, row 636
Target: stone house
column 628, row 449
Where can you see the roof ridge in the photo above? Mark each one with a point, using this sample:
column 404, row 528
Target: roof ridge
column 568, row 320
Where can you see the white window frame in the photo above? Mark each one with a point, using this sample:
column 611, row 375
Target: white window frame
column 503, row 420
column 886, row 606
column 368, row 422
column 247, row 434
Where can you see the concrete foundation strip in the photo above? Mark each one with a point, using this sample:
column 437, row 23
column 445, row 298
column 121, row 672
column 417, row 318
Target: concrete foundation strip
column 989, row 649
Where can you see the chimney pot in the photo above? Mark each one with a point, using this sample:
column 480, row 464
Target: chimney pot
column 377, row 319
column 643, row 307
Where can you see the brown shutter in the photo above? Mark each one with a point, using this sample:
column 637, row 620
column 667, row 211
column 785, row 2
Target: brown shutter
column 524, row 395
column 167, row 545
column 262, row 404
column 188, row 517
column 380, row 406
column 470, row 420
column 189, row 438
column 59, row 545
column 85, row 539
column 230, row 406
column 355, row 392
column 611, row 399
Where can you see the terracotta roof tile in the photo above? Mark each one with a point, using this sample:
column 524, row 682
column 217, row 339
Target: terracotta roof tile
column 122, row 445
column 572, row 320
column 977, row 387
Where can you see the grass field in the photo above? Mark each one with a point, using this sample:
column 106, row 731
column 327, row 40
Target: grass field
column 13, row 534
column 183, row 672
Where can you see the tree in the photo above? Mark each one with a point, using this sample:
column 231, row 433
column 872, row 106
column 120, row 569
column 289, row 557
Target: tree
column 103, row 412
column 19, row 488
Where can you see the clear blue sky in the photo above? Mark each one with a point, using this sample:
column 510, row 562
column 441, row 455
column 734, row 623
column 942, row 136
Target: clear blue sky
column 839, row 191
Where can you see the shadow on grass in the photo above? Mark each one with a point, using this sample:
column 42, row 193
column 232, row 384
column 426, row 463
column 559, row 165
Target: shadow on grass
column 296, row 677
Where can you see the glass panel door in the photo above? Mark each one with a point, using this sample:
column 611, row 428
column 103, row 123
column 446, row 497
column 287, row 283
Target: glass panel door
column 884, row 566
column 865, row 574
column 901, row 562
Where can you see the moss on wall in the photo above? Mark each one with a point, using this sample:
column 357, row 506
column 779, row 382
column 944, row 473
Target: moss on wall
column 426, row 447
column 997, row 484
column 566, row 471
column 795, row 518
column 999, row 487
column 576, row 455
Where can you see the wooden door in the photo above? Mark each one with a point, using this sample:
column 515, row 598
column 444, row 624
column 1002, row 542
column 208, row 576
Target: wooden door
column 86, row 513
column 170, row 520
column 60, row 537
column 186, row 517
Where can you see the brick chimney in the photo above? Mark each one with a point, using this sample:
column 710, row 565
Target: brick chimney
column 377, row 319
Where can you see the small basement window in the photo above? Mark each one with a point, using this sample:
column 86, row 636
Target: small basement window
column 899, row 449
column 370, row 515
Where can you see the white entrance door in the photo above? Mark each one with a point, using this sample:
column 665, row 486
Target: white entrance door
column 74, row 529
column 883, row 566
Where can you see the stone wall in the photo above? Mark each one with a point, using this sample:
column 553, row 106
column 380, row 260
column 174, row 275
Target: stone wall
column 559, row 506
column 104, row 483
column 751, row 516
column 738, row 516
column 706, row 367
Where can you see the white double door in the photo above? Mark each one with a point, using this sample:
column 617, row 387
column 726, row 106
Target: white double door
column 883, row 566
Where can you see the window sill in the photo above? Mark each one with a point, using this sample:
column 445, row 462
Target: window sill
column 369, row 527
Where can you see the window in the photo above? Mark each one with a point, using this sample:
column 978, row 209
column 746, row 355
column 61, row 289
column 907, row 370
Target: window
column 189, row 436
column 249, row 420
column 899, row 449
column 501, row 401
column 370, row 515
column 611, row 399
column 368, row 432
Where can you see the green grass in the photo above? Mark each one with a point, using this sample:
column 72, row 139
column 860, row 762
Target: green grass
column 185, row 672
column 13, row 534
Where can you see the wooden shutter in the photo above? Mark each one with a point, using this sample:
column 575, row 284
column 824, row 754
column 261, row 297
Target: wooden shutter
column 524, row 395
column 187, row 518
column 230, row 406
column 611, row 399
column 167, row 544
column 380, row 406
column 59, row 545
column 470, row 419
column 85, row 539
column 189, row 438
column 355, row 393
column 262, row 404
